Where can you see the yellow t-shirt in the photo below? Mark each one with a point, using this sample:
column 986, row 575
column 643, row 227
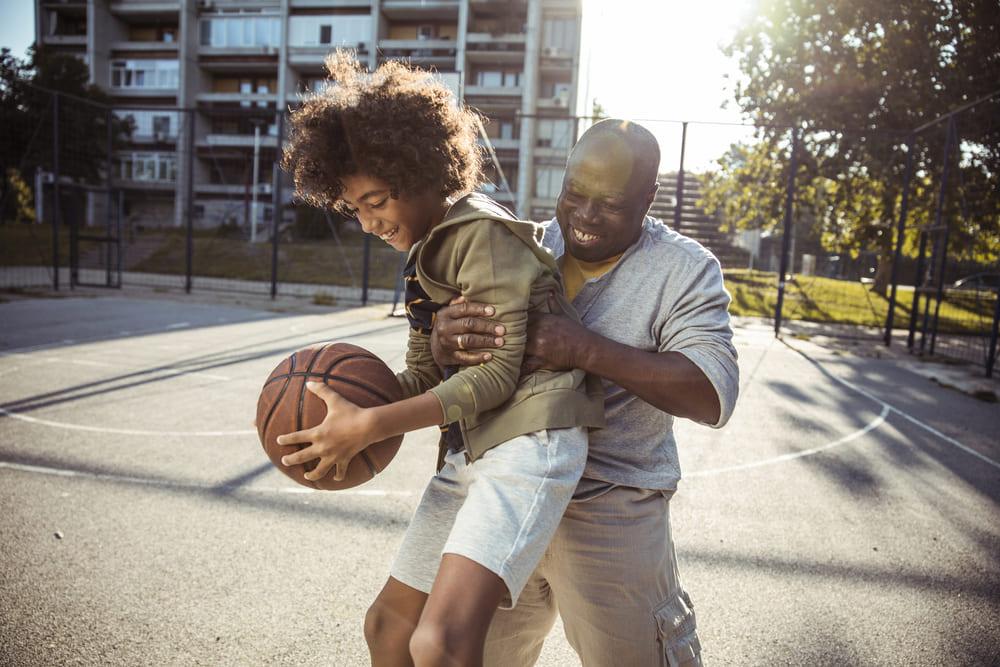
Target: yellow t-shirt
column 576, row 272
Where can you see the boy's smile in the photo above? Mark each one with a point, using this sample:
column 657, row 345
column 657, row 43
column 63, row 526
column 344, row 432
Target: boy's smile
column 399, row 220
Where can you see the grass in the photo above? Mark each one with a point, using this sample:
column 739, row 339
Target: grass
column 323, row 262
column 817, row 299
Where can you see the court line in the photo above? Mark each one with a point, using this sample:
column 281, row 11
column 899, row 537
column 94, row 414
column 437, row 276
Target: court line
column 121, row 431
column 870, row 426
column 168, row 370
column 886, row 406
column 189, row 486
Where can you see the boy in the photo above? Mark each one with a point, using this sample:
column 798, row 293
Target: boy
column 392, row 149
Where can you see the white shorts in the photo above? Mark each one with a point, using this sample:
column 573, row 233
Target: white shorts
column 500, row 511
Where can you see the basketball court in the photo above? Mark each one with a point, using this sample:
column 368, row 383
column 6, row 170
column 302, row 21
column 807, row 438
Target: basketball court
column 848, row 514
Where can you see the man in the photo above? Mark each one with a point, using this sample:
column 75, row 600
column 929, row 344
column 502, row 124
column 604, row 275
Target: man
column 656, row 330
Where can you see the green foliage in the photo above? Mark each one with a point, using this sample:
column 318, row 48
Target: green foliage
column 856, row 76
column 28, row 89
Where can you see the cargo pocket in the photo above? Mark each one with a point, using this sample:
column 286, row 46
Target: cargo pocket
column 678, row 634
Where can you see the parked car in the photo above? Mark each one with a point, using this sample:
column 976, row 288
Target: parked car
column 979, row 281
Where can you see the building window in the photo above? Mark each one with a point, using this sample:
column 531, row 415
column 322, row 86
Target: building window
column 329, row 30
column 240, row 31
column 148, row 74
column 548, row 181
column 153, row 167
column 559, row 36
column 157, row 125
column 553, row 133
column 499, row 79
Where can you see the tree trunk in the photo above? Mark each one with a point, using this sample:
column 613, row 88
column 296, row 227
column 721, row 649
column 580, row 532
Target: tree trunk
column 883, row 273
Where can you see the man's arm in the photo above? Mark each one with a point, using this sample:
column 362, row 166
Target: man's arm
column 668, row 381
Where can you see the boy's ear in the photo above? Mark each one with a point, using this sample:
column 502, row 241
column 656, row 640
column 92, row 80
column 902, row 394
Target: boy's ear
column 394, row 193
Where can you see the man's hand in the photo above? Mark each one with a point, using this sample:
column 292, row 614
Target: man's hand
column 463, row 333
column 344, row 432
column 555, row 343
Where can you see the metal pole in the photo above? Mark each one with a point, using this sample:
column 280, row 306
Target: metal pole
column 366, row 266
column 189, row 203
column 952, row 138
column 786, row 237
column 55, row 191
column 680, row 180
column 918, row 284
column 256, row 180
column 900, row 232
column 110, row 203
column 991, row 352
column 276, row 205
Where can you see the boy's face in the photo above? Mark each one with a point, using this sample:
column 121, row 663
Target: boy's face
column 399, row 221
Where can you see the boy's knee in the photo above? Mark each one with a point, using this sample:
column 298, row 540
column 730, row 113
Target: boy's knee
column 435, row 644
column 383, row 626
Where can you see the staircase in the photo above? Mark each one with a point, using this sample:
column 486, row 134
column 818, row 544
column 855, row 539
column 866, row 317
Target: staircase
column 695, row 222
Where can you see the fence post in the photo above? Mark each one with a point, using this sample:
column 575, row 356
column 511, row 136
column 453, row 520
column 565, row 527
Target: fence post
column 277, row 209
column 786, row 237
column 952, row 139
column 680, row 180
column 991, row 352
column 918, row 284
column 55, row 191
column 189, row 203
column 366, row 266
column 900, row 233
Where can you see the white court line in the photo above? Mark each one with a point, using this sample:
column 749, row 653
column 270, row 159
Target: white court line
column 168, row 370
column 121, row 431
column 908, row 417
column 189, row 486
column 870, row 426
column 178, row 325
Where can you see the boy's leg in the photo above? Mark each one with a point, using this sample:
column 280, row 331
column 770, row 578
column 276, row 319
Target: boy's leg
column 516, row 635
column 453, row 626
column 614, row 575
column 390, row 623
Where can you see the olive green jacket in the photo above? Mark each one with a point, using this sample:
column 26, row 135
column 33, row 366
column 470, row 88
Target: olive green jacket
column 481, row 252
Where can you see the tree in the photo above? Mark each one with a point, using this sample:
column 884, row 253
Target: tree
column 855, row 77
column 27, row 90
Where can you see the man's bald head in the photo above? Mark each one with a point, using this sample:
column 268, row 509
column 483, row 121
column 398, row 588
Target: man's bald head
column 629, row 145
column 609, row 185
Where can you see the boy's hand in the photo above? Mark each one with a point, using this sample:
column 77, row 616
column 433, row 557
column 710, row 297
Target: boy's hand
column 344, row 432
column 462, row 333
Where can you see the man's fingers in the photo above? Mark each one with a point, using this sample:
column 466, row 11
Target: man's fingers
column 471, row 358
column 469, row 341
column 297, row 438
column 459, row 308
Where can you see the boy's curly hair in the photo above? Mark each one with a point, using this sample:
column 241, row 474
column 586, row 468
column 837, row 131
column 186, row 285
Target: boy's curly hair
column 398, row 124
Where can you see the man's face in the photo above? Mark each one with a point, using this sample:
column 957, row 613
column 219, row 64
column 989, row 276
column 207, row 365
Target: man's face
column 603, row 200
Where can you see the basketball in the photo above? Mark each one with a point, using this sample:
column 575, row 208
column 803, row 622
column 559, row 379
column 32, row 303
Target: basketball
column 286, row 406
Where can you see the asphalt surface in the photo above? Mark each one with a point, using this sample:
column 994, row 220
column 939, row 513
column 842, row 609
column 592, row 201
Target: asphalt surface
column 847, row 515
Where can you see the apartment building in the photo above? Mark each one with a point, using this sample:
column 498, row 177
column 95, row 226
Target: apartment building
column 207, row 78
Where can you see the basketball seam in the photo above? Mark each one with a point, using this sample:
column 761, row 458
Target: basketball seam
column 274, row 405
column 372, row 468
column 326, row 374
column 302, row 397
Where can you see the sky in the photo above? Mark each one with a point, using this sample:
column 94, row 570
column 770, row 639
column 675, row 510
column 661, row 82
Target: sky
column 647, row 60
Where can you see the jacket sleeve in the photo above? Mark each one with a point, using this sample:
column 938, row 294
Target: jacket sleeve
column 421, row 372
column 492, row 266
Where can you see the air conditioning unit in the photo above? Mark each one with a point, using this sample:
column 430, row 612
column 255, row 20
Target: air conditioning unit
column 560, row 101
column 206, row 4
column 159, row 136
column 550, row 52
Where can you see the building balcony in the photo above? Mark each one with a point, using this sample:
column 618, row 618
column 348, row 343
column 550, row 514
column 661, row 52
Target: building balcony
column 145, row 185
column 143, row 47
column 494, row 91
column 329, row 4
column 239, row 190
column 239, row 51
column 65, row 40
column 412, row 10
column 146, row 8
column 311, row 58
column 483, row 47
column 236, row 141
column 437, row 52
column 143, row 93
column 210, row 98
column 556, row 102
column 504, row 144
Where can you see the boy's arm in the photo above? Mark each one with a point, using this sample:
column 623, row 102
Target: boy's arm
column 421, row 372
column 492, row 266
